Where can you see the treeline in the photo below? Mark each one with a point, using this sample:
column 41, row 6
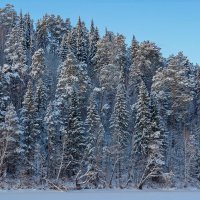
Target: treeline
column 77, row 108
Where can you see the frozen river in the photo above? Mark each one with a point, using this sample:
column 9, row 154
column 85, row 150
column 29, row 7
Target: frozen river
column 100, row 195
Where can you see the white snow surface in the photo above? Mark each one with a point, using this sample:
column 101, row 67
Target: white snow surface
column 100, row 195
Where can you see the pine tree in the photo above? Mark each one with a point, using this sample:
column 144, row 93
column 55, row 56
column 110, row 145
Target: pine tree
column 147, row 60
column 173, row 90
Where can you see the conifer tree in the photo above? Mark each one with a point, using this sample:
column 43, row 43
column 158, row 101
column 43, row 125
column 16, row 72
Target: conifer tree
column 4, row 96
column 93, row 39
column 94, row 141
column 15, row 49
column 42, row 39
column 104, row 52
column 10, row 149
column 120, row 53
column 29, row 37
column 8, row 19
column 119, row 131
column 142, row 124
column 155, row 159
column 40, row 104
column 29, row 134
column 76, row 138
column 53, row 153
column 64, row 48
column 71, row 40
column 141, row 135
column 134, row 49
column 81, row 42
column 38, row 66
column 173, row 90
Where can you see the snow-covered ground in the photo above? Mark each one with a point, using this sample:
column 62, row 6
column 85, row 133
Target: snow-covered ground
column 100, row 195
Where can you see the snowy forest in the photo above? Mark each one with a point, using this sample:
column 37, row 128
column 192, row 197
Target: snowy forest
column 79, row 110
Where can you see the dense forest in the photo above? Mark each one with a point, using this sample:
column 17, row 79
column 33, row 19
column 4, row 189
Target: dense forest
column 82, row 111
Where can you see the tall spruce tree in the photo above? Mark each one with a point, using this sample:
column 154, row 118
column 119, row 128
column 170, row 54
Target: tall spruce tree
column 29, row 134
column 94, row 142
column 81, row 41
column 93, row 39
column 38, row 66
column 76, row 136
column 120, row 134
column 10, row 149
column 53, row 150
column 141, row 135
column 143, row 123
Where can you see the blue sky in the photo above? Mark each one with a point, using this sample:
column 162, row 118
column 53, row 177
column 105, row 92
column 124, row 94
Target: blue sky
column 174, row 25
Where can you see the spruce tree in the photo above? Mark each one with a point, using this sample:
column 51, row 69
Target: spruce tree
column 8, row 19
column 64, row 48
column 29, row 37
column 29, row 134
column 71, row 40
column 156, row 145
column 120, row 55
column 94, row 142
column 76, row 136
column 142, row 128
column 53, row 153
column 38, row 67
column 10, row 155
column 119, row 131
column 42, row 39
column 81, row 42
column 93, row 39
column 40, row 105
column 134, row 48
column 4, row 95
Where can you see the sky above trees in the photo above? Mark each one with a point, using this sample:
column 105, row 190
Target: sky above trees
column 172, row 24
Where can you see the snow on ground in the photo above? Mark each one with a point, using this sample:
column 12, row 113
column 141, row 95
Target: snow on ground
column 100, row 195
